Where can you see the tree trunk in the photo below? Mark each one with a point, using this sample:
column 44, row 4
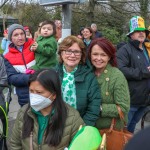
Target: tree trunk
column 90, row 13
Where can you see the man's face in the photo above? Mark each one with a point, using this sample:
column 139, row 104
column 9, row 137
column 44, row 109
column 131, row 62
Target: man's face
column 18, row 37
column 138, row 35
column 58, row 24
column 94, row 28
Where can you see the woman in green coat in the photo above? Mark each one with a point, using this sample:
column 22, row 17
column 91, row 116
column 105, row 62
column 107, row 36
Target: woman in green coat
column 112, row 83
column 79, row 85
column 47, row 123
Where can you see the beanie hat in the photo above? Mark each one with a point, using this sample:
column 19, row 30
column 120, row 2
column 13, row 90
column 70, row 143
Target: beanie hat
column 87, row 138
column 137, row 24
column 14, row 27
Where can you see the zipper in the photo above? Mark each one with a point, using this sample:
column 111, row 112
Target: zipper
column 24, row 60
column 39, row 147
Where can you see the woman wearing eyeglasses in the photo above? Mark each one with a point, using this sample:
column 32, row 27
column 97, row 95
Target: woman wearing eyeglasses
column 79, row 85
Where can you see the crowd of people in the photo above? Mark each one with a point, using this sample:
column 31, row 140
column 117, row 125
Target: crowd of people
column 80, row 81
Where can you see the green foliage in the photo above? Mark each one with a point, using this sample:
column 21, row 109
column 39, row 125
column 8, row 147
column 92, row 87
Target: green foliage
column 113, row 35
column 1, row 51
column 31, row 15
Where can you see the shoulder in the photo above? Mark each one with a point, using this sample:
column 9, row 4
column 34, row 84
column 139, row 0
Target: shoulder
column 72, row 114
column 21, row 112
column 114, row 73
column 29, row 42
column 85, row 74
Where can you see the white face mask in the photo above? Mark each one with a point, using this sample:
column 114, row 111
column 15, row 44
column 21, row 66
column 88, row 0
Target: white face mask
column 38, row 102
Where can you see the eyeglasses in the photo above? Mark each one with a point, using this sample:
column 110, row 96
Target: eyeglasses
column 75, row 52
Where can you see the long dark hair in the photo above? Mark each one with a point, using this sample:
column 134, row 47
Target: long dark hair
column 49, row 79
column 107, row 47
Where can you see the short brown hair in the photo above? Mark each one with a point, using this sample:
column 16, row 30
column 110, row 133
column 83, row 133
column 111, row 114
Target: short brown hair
column 68, row 42
column 49, row 22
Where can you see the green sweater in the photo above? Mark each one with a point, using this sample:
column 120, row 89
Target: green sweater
column 114, row 90
column 45, row 54
column 72, row 124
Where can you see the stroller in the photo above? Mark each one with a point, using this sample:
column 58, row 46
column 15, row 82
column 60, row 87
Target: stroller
column 5, row 98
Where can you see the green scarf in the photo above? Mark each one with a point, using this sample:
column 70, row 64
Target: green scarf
column 68, row 87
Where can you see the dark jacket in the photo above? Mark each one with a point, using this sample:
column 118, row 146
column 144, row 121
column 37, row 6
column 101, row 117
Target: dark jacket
column 87, row 93
column 133, row 63
column 20, row 81
column 73, row 122
column 98, row 34
column 3, row 75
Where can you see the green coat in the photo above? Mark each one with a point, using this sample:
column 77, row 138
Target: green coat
column 45, row 54
column 87, row 93
column 114, row 90
column 73, row 122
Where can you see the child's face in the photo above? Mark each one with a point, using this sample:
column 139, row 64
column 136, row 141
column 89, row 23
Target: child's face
column 47, row 30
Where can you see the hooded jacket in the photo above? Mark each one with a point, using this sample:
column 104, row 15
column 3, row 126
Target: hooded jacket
column 87, row 93
column 72, row 125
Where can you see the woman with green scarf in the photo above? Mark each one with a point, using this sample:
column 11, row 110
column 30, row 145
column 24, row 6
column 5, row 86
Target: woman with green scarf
column 79, row 85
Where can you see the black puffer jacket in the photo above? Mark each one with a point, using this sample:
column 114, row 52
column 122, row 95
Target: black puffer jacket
column 133, row 63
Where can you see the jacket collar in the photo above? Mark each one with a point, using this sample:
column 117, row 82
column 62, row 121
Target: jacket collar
column 135, row 43
column 80, row 73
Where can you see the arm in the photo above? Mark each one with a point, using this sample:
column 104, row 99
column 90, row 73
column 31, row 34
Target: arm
column 94, row 100
column 47, row 49
column 123, row 61
column 77, row 122
column 120, row 96
column 4, row 43
column 15, row 78
column 35, row 35
column 3, row 75
column 15, row 141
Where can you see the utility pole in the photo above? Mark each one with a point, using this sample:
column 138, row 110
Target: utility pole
column 66, row 20
column 66, row 13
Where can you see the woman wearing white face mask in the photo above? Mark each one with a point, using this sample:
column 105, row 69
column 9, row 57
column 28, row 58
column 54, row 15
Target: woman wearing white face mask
column 47, row 122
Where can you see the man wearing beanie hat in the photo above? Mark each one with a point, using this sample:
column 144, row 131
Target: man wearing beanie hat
column 18, row 60
column 134, row 62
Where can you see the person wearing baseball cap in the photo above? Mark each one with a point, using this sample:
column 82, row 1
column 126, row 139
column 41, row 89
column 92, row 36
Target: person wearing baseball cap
column 18, row 60
column 134, row 61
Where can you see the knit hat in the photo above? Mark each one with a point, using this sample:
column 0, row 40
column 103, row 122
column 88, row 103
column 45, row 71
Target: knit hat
column 14, row 27
column 137, row 24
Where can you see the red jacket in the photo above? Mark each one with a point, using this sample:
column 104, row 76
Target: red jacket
column 21, row 60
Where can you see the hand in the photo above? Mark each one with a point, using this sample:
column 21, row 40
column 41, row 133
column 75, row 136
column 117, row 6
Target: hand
column 5, row 35
column 34, row 46
column 148, row 68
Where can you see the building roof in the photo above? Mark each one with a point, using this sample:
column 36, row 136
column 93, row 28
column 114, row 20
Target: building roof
column 8, row 17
